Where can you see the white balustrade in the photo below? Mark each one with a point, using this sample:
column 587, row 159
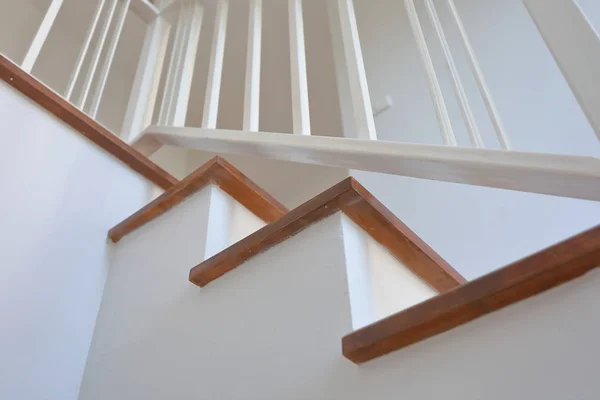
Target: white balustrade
column 42, row 34
column 144, row 92
column 481, row 83
column 459, row 89
column 355, row 68
column 89, row 78
column 575, row 45
column 84, row 49
column 215, row 69
column 253, row 62
column 441, row 110
column 300, row 107
column 108, row 60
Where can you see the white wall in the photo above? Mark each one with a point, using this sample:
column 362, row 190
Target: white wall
column 271, row 329
column 61, row 195
column 379, row 284
column 154, row 315
column 290, row 183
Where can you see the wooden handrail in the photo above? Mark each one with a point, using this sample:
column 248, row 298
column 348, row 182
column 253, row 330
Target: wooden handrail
column 216, row 171
column 523, row 279
column 61, row 108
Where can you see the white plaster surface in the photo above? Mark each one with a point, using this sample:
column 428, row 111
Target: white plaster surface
column 60, row 196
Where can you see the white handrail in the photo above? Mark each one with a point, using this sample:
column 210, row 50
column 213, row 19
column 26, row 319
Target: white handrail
column 459, row 89
column 84, row 49
column 300, row 106
column 483, row 88
column 441, row 111
column 253, row 63
column 215, row 69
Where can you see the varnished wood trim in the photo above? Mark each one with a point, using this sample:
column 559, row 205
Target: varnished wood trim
column 55, row 104
column 222, row 174
column 520, row 280
column 355, row 201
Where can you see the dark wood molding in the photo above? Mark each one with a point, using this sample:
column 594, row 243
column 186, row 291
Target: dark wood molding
column 55, row 104
column 216, row 171
column 523, row 279
column 358, row 204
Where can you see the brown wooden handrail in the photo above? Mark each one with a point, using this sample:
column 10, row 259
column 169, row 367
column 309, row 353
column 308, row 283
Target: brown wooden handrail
column 523, row 279
column 78, row 120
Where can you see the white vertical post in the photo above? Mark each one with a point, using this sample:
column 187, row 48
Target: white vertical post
column 359, row 90
column 434, row 85
column 147, row 79
column 479, row 78
column 185, row 66
column 110, row 55
column 174, row 56
column 300, row 108
column 459, row 89
column 40, row 37
column 252, row 90
column 84, row 49
column 89, row 78
column 215, row 71
column 575, row 45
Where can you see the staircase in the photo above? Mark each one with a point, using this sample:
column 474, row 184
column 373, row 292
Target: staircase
column 326, row 285
column 275, row 305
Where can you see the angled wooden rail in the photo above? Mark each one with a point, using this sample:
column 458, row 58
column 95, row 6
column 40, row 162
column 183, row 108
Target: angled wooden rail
column 61, row 108
column 216, row 171
column 359, row 205
column 523, row 279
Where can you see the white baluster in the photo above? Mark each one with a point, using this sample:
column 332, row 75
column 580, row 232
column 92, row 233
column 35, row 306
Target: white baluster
column 147, row 79
column 575, row 45
column 252, row 90
column 84, row 50
column 359, row 90
column 215, row 71
column 185, row 66
column 483, row 88
column 89, row 78
column 40, row 37
column 174, row 56
column 300, row 107
column 108, row 60
column 434, row 85
column 459, row 89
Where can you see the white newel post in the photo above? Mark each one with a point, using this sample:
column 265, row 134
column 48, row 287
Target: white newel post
column 575, row 45
column 40, row 37
column 147, row 79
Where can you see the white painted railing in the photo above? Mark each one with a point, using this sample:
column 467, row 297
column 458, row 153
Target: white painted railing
column 573, row 41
